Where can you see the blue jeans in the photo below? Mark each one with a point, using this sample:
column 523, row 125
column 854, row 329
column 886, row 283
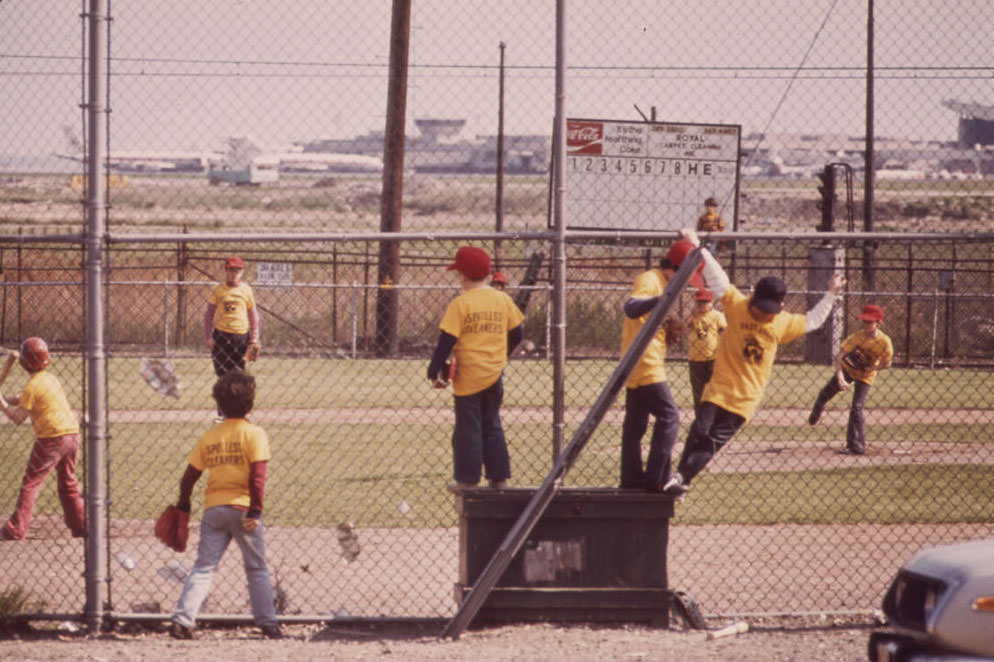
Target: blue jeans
column 217, row 528
column 711, row 430
column 640, row 402
column 478, row 438
column 700, row 375
column 856, row 427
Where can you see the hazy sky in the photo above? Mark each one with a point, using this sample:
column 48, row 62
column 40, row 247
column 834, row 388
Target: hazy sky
column 187, row 74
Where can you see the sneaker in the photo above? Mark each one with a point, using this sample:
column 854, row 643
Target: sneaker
column 272, row 632
column 675, row 485
column 845, row 450
column 498, row 484
column 459, row 488
column 177, row 631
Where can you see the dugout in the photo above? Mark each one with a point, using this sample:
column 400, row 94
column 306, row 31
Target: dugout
column 595, row 554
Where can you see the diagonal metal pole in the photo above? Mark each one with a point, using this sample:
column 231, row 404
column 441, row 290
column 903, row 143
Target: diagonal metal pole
column 536, row 506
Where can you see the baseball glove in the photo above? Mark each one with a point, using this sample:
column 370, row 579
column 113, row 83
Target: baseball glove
column 857, row 360
column 253, row 351
column 173, row 528
column 673, row 330
column 446, row 375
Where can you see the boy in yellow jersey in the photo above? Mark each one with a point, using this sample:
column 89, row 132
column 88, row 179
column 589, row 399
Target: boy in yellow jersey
column 703, row 331
column 231, row 320
column 861, row 356
column 757, row 325
column 480, row 329
column 711, row 221
column 56, row 444
column 235, row 454
column 646, row 389
column 498, row 281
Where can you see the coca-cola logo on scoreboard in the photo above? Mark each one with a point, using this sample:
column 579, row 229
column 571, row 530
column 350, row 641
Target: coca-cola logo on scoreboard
column 584, row 137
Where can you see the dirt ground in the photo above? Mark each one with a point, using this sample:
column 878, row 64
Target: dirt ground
column 521, row 643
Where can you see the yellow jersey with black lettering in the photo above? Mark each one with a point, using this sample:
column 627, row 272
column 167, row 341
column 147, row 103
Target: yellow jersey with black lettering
column 232, row 305
column 225, row 452
column 650, row 367
column 703, row 333
column 48, row 407
column 879, row 350
column 479, row 318
column 710, row 221
column 746, row 352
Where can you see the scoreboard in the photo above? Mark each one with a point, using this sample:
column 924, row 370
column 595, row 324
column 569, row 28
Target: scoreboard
column 649, row 176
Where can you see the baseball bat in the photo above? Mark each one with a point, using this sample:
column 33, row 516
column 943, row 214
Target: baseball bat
column 7, row 366
column 727, row 631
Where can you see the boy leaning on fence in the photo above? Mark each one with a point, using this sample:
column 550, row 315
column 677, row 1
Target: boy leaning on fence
column 757, row 325
column 56, row 444
column 647, row 393
column 480, row 329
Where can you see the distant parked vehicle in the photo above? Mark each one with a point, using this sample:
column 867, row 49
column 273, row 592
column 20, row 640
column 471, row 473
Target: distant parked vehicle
column 258, row 170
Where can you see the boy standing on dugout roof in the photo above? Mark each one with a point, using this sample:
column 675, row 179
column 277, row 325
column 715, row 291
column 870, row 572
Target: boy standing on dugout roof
column 757, row 325
column 646, row 389
column 861, row 356
column 56, row 430
column 231, row 320
column 480, row 329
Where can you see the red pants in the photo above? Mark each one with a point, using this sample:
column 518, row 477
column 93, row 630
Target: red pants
column 58, row 453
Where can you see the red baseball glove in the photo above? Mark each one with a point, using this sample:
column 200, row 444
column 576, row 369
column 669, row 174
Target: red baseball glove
column 173, row 528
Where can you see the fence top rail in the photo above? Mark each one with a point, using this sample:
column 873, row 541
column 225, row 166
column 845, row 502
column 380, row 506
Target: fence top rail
column 612, row 236
column 569, row 235
column 326, row 236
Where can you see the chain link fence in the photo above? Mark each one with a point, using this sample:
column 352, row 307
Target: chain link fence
column 240, row 118
column 358, row 520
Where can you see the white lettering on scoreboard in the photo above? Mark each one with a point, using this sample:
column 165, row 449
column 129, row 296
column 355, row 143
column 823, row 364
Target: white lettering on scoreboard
column 648, row 175
column 274, row 274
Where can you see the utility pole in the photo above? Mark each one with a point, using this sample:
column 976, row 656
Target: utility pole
column 499, row 223
column 388, row 273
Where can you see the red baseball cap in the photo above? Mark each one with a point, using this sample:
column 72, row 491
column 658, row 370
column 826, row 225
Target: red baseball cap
column 234, row 262
column 704, row 294
column 471, row 262
column 499, row 278
column 675, row 256
column 872, row 313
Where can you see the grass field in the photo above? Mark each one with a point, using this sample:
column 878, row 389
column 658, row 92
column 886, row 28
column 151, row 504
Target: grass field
column 358, row 439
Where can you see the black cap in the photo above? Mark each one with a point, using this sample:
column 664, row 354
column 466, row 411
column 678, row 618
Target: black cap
column 768, row 294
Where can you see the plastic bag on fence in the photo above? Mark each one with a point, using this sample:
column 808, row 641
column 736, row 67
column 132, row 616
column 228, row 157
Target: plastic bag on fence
column 160, row 375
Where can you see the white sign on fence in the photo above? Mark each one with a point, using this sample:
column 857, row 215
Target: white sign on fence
column 649, row 175
column 274, row 274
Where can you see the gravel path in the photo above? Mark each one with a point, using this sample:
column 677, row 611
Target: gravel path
column 521, row 643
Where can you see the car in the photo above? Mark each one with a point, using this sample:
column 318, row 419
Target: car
column 940, row 607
